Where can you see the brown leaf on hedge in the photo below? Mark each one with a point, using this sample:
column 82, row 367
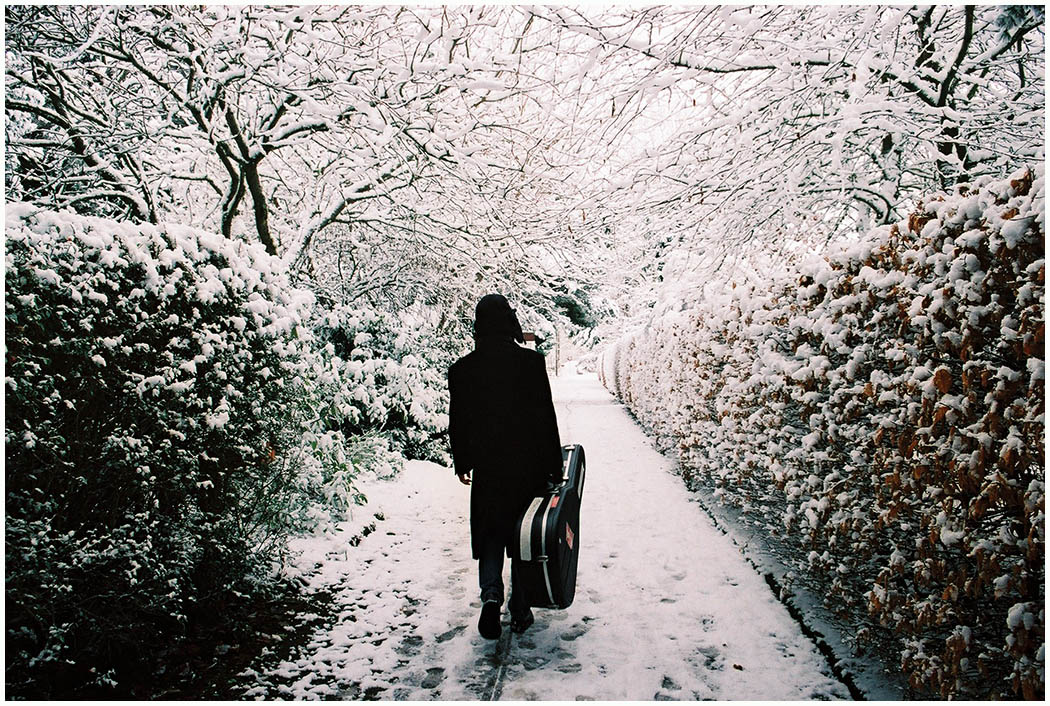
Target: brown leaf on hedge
column 1034, row 344
column 967, row 483
column 1007, row 215
column 902, row 443
column 979, row 507
column 917, row 221
column 1023, row 185
column 942, row 379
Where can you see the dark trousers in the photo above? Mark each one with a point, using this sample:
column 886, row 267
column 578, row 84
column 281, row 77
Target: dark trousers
column 490, row 577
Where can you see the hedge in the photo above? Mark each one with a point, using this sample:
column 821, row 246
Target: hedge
column 165, row 431
column 879, row 412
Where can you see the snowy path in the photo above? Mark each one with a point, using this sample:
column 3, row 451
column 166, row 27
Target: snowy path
column 665, row 605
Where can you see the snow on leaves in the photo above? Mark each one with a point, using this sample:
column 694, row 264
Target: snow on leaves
column 777, row 125
column 881, row 413
column 387, row 383
column 286, row 125
column 168, row 410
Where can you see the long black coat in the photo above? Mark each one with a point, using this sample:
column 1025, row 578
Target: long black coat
column 503, row 429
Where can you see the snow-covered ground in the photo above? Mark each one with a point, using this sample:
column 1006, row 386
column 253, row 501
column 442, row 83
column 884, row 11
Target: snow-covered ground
column 666, row 608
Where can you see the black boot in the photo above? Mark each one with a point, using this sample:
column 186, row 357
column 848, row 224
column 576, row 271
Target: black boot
column 521, row 623
column 488, row 623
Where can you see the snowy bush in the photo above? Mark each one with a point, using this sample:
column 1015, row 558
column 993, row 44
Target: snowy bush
column 880, row 413
column 165, row 430
column 392, row 381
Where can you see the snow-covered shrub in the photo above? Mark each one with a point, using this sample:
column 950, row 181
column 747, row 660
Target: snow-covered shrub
column 165, row 430
column 880, row 413
column 392, row 380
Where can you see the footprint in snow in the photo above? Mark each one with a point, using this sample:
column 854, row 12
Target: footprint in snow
column 448, row 635
column 709, row 658
column 573, row 633
column 435, row 675
column 410, row 645
column 562, row 654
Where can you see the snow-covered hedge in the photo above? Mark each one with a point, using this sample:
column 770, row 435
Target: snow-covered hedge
column 879, row 415
column 392, row 381
column 166, row 428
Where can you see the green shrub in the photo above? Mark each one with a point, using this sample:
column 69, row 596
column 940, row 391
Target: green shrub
column 392, row 381
column 165, row 431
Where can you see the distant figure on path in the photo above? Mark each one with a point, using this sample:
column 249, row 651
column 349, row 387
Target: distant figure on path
column 504, row 434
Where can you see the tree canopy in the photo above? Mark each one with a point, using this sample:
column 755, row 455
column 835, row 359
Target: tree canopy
column 425, row 154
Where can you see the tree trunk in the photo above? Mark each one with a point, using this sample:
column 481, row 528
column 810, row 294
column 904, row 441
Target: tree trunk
column 259, row 206
column 250, row 175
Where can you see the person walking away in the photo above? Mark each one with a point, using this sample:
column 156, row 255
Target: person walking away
column 505, row 445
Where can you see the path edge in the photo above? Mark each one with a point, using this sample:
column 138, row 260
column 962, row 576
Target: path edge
column 867, row 679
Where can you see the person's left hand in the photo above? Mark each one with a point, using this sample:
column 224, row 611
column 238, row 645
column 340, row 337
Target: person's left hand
column 464, row 478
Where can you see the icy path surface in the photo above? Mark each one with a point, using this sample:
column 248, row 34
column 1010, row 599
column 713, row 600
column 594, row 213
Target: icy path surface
column 665, row 606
